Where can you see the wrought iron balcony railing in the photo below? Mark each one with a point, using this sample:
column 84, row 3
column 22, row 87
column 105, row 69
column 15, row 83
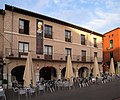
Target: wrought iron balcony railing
column 46, row 56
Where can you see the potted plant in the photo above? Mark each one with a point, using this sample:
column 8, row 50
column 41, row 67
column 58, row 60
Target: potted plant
column 5, row 82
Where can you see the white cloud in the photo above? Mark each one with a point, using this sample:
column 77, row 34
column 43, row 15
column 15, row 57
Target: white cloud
column 98, row 15
column 103, row 21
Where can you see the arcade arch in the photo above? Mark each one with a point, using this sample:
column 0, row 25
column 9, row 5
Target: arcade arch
column 17, row 73
column 48, row 73
column 64, row 70
column 83, row 72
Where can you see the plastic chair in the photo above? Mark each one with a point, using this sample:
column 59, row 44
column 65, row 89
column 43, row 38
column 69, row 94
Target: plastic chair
column 2, row 93
column 22, row 91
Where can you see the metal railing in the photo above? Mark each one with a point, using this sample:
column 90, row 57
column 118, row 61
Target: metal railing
column 53, row 56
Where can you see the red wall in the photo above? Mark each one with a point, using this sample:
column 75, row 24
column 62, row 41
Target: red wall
column 115, row 36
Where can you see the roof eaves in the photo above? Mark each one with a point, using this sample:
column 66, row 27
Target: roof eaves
column 29, row 13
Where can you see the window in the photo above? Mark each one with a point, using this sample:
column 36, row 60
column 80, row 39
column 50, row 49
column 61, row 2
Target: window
column 82, row 39
column 111, row 54
column 95, row 42
column 67, row 52
column 48, row 52
column 23, row 48
column 67, row 36
column 83, row 55
column 95, row 54
column 23, row 26
column 48, row 31
column 111, row 43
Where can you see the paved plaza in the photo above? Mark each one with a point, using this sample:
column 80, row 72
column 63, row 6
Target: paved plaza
column 106, row 91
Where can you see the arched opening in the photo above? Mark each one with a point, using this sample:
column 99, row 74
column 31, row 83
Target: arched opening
column 83, row 72
column 48, row 73
column 64, row 70
column 17, row 73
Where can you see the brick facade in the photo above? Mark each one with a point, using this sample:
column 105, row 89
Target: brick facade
column 57, row 42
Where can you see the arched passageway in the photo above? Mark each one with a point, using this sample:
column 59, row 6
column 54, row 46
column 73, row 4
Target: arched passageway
column 83, row 72
column 48, row 73
column 64, row 70
column 17, row 73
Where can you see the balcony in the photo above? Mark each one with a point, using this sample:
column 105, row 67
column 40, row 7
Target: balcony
column 50, row 57
column 68, row 39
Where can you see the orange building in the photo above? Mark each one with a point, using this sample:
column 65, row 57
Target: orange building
column 111, row 48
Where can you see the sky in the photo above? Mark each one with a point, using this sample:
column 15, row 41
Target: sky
column 97, row 15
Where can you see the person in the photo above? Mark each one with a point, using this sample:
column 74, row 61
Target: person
column 97, row 79
column 39, row 27
column 15, row 83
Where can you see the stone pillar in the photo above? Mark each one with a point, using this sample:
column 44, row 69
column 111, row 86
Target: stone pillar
column 76, row 74
column 59, row 73
column 118, row 66
column 37, row 76
column 9, row 81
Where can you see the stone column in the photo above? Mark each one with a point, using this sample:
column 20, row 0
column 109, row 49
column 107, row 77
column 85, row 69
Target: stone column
column 118, row 66
column 9, row 81
column 76, row 74
column 59, row 73
column 37, row 76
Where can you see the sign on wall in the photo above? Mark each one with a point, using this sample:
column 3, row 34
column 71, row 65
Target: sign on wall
column 39, row 37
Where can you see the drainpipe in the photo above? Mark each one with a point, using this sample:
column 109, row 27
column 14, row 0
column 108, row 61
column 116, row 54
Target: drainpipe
column 90, row 52
column 3, row 13
column 11, row 35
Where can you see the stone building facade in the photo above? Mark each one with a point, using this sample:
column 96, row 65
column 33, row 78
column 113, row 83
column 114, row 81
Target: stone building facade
column 49, row 40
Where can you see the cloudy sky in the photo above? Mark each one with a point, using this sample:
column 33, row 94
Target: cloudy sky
column 97, row 15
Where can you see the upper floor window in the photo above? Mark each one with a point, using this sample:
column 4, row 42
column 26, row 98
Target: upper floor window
column 111, row 43
column 23, row 48
column 111, row 54
column 23, row 26
column 95, row 42
column 67, row 52
column 82, row 39
column 48, row 31
column 48, row 52
column 67, row 36
column 83, row 55
column 95, row 54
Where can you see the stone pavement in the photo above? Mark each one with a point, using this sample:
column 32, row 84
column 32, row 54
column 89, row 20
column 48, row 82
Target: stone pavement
column 107, row 91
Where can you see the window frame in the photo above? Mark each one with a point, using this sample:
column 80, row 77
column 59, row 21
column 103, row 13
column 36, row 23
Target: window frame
column 67, row 36
column 95, row 54
column 83, row 42
column 25, row 26
column 48, row 55
column 68, row 51
column 83, row 57
column 95, row 42
column 111, row 54
column 111, row 44
column 23, row 51
column 48, row 32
